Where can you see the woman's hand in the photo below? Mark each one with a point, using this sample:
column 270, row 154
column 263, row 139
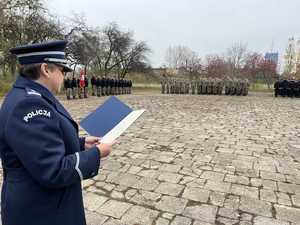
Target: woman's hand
column 91, row 141
column 105, row 148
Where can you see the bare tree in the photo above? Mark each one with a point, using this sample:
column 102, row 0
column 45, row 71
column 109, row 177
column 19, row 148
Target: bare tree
column 216, row 66
column 181, row 57
column 236, row 55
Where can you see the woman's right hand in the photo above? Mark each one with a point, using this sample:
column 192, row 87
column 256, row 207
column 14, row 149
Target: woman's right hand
column 105, row 149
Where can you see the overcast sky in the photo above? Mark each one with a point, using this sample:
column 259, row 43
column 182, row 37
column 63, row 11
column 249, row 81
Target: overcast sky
column 205, row 26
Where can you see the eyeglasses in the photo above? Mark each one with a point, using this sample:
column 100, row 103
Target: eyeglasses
column 60, row 68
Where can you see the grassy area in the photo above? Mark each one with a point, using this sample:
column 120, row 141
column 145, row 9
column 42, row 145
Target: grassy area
column 259, row 87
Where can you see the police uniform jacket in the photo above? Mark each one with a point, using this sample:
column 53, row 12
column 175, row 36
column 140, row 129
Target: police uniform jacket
column 43, row 159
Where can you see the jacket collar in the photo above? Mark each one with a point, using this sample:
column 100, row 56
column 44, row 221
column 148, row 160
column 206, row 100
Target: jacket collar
column 22, row 82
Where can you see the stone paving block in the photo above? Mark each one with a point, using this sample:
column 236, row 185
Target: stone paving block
column 149, row 173
column 260, row 220
column 93, row 218
column 236, row 179
column 146, row 183
column 210, row 175
column 117, row 195
column 169, row 189
column 114, row 208
column 168, row 216
column 286, row 213
column 197, row 182
column 162, row 221
column 112, row 221
column 198, row 222
column 227, row 221
column 171, row 204
column 232, row 202
column 186, row 179
column 206, row 213
column 283, row 199
column 246, row 217
column 268, row 195
column 296, row 200
column 134, row 169
column 130, row 193
column 92, row 201
column 217, row 186
column 196, row 194
column 242, row 190
column 255, row 206
column 288, row 188
column 217, row 198
column 228, row 213
column 170, row 177
column 269, row 184
column 140, row 215
column 180, row 220
column 272, row 176
column 172, row 168
column 128, row 180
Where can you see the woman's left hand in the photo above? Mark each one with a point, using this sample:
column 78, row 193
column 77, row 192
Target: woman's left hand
column 91, row 141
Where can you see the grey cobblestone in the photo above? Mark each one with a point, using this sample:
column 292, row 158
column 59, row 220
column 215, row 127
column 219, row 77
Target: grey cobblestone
column 245, row 159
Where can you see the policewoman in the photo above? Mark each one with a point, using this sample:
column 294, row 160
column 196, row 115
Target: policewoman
column 43, row 158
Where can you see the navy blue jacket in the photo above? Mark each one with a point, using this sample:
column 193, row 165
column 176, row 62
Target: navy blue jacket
column 43, row 159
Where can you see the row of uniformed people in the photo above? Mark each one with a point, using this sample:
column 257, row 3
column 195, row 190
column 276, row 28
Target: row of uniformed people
column 100, row 87
column 73, row 87
column 110, row 86
column 287, row 88
column 208, row 86
column 234, row 86
column 201, row 86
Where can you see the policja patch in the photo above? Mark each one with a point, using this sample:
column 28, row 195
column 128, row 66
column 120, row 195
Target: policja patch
column 39, row 112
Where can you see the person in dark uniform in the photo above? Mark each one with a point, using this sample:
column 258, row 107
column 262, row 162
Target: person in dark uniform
column 110, row 86
column 79, row 88
column 130, row 86
column 117, row 86
column 68, row 84
column 94, row 86
column 106, row 82
column 285, row 88
column 98, row 86
column 74, row 87
column 43, row 167
column 276, row 88
column 298, row 89
column 86, row 87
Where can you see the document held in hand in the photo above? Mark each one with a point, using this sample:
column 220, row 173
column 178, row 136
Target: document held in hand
column 110, row 120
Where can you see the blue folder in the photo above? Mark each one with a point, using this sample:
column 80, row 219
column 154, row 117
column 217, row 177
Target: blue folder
column 105, row 117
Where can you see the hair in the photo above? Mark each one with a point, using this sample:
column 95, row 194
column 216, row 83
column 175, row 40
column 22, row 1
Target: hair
column 32, row 71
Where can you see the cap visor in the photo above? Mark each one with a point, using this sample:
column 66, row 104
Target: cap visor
column 65, row 67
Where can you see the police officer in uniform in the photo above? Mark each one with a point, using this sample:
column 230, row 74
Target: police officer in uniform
column 98, row 86
column 74, row 87
column 68, row 85
column 43, row 167
column 86, row 87
column 94, row 85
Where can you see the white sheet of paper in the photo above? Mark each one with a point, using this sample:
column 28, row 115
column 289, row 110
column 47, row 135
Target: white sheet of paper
column 114, row 133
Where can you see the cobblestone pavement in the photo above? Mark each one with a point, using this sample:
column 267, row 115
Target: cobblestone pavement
column 199, row 160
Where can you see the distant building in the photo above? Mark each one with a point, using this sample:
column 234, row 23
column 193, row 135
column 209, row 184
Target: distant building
column 292, row 57
column 272, row 56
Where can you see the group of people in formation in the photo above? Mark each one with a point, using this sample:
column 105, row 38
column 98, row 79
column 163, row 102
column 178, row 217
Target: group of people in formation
column 207, row 86
column 100, row 86
column 287, row 88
